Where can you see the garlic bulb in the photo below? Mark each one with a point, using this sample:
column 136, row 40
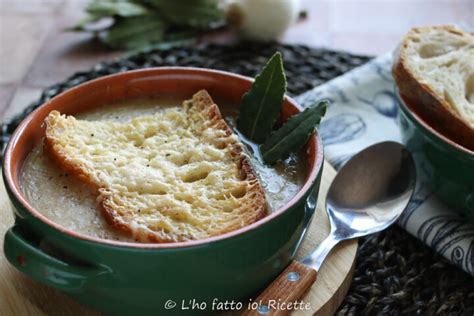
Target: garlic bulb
column 263, row 20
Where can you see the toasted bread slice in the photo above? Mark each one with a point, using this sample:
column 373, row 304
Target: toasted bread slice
column 178, row 175
column 435, row 74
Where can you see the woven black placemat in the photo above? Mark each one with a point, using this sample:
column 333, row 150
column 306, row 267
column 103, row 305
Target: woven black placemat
column 395, row 273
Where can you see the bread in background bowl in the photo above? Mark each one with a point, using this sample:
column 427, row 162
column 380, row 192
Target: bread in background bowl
column 434, row 72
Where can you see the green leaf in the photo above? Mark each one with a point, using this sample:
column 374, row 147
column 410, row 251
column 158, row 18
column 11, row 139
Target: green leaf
column 261, row 105
column 195, row 13
column 293, row 134
column 108, row 8
column 174, row 22
column 100, row 9
column 134, row 33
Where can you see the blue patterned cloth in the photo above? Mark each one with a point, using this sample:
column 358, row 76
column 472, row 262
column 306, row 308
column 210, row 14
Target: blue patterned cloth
column 363, row 112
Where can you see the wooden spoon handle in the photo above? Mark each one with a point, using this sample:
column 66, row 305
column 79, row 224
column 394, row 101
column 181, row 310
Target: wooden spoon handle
column 282, row 294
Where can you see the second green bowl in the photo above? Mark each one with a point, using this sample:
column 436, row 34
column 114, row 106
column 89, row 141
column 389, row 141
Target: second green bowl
column 448, row 168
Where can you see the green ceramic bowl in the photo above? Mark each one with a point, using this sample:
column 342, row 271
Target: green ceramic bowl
column 445, row 166
column 122, row 278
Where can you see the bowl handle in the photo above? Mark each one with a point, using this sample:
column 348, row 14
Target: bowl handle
column 45, row 268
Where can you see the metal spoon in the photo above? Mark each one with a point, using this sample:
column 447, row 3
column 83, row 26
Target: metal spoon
column 367, row 195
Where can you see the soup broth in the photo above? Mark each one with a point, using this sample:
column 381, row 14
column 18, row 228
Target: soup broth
column 71, row 203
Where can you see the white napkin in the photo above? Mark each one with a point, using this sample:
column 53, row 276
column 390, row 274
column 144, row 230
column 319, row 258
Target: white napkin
column 363, row 112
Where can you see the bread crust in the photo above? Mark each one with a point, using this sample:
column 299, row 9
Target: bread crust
column 420, row 98
column 257, row 208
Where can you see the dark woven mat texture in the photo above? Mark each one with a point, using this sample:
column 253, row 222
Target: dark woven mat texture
column 395, row 273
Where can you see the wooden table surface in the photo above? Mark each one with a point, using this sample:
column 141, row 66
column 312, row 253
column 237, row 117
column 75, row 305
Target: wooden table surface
column 36, row 53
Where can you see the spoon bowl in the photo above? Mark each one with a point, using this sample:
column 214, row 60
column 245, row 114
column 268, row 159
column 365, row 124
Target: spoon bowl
column 371, row 190
column 367, row 195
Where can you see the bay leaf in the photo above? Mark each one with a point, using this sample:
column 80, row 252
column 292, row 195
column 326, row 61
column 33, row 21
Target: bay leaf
column 292, row 135
column 118, row 22
column 195, row 13
column 261, row 105
column 135, row 32
column 108, row 8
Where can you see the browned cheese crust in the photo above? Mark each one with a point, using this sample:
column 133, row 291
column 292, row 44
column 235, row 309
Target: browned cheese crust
column 254, row 198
